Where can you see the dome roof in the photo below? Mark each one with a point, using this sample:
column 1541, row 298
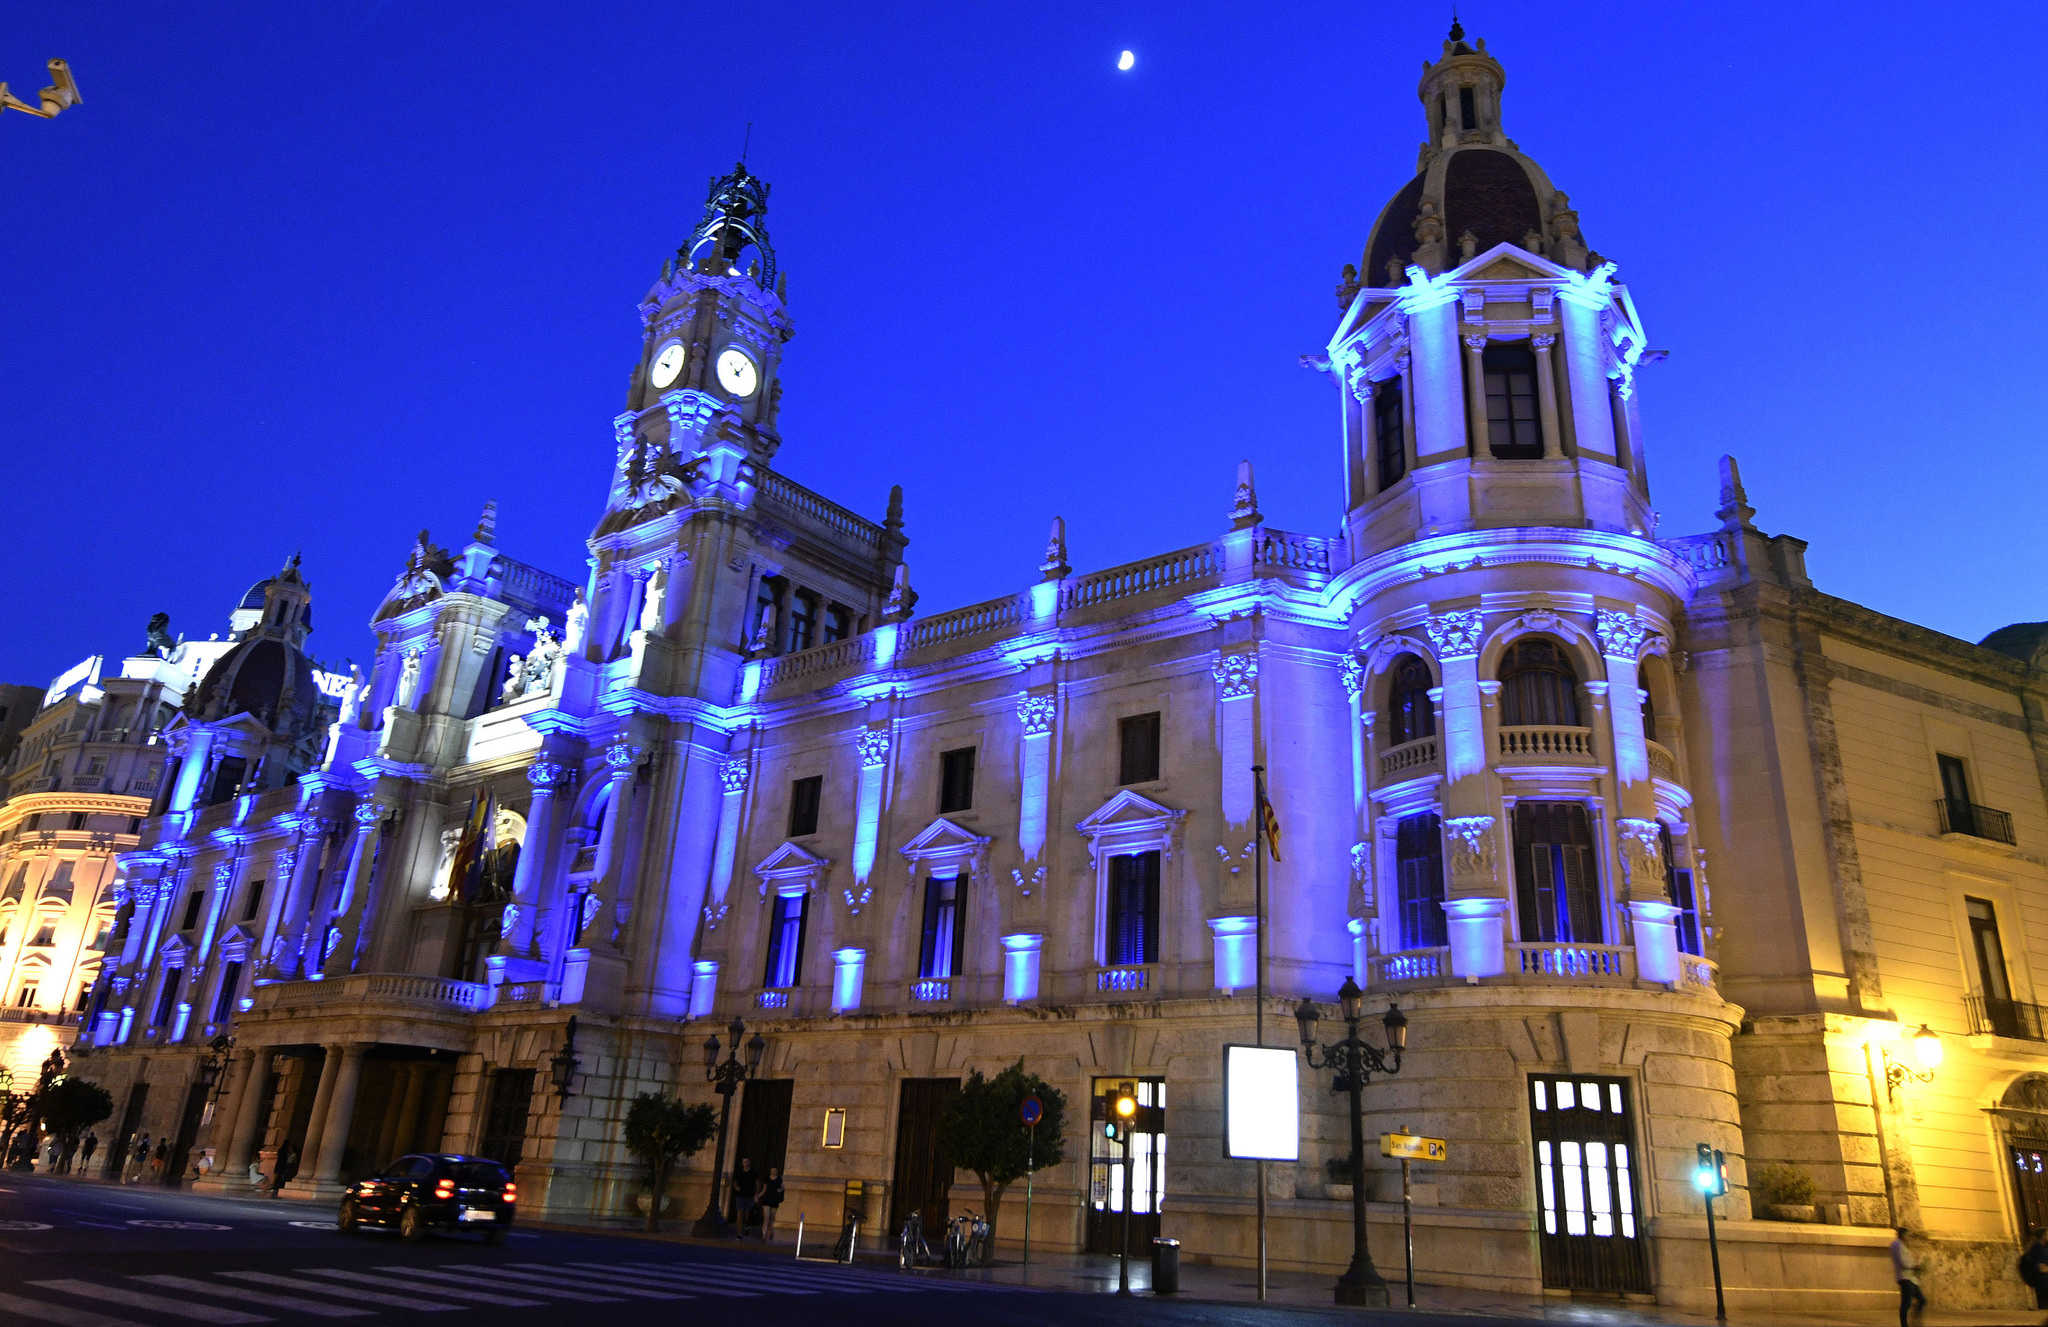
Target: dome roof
column 1472, row 181
column 2024, row 641
column 262, row 676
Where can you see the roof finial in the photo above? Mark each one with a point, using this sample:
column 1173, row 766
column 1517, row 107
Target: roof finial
column 487, row 524
column 746, row 144
column 1735, row 511
column 1244, row 508
column 1457, row 28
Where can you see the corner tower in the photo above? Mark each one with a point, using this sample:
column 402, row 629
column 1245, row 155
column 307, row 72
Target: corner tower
column 1486, row 355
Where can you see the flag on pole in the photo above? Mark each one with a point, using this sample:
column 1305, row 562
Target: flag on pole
column 1269, row 824
column 468, row 850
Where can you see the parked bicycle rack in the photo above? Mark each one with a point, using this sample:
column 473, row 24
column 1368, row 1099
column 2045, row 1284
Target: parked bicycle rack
column 850, row 1232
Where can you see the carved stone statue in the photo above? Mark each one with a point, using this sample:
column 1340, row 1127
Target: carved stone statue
column 160, row 643
column 444, row 884
column 408, row 681
column 351, row 696
column 657, row 589
column 515, row 680
column 575, row 625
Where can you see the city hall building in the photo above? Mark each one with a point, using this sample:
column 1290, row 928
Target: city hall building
column 1653, row 842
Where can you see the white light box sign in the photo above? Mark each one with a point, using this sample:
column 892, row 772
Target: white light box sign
column 1261, row 1104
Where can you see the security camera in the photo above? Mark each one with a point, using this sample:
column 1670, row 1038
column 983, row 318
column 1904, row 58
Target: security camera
column 63, row 93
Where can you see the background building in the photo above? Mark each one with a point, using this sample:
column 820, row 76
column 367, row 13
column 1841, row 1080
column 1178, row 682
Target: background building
column 562, row 830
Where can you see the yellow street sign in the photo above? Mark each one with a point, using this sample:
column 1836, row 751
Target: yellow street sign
column 1412, row 1147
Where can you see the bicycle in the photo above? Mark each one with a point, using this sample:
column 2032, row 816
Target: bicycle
column 966, row 1240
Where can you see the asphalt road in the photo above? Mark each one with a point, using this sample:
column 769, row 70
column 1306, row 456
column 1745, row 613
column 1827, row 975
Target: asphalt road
column 82, row 1254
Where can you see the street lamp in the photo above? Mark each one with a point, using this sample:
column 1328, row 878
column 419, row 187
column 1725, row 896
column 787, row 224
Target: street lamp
column 563, row 1064
column 1355, row 1063
column 725, row 1077
column 213, row 1061
column 1926, row 1059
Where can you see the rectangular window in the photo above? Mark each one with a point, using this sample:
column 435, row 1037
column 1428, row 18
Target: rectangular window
column 838, row 623
column 1468, row 110
column 767, row 623
column 1557, row 890
column 786, row 942
column 167, row 1000
column 1955, row 794
column 1679, row 878
column 804, row 796
column 1419, row 881
column 1987, row 953
column 956, row 780
column 254, row 902
column 26, row 997
column 1138, row 748
column 230, row 986
column 1389, row 431
column 192, row 903
column 1513, row 431
column 78, row 817
column 803, row 620
column 1131, row 933
column 46, row 934
column 84, row 997
column 940, row 949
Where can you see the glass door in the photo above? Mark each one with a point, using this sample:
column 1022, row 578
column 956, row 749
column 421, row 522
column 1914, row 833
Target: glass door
column 1106, row 1171
column 1584, row 1133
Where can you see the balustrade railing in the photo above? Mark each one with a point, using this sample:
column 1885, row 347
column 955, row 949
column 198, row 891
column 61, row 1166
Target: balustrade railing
column 1556, row 959
column 1408, row 965
column 1546, row 742
column 1696, row 973
column 365, row 988
column 797, row 498
column 1295, row 552
column 973, row 620
column 817, row 660
column 1705, row 552
column 1182, row 567
column 772, row 1000
column 1663, row 764
column 931, row 990
column 1418, row 754
column 1123, row 978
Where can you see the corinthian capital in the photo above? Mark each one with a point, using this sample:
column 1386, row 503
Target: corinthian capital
column 1455, row 635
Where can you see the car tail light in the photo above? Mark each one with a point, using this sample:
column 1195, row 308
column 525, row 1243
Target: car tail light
column 511, row 1192
column 445, row 1189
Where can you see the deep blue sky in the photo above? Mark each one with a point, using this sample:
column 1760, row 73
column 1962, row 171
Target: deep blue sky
column 314, row 276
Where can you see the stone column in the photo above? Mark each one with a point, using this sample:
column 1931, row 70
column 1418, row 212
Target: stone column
column 416, row 1076
column 289, row 904
column 241, row 1139
column 330, row 893
column 341, row 1111
column 1642, row 889
column 1585, row 361
column 1475, row 901
column 545, row 776
column 192, row 771
column 1546, row 392
column 316, row 1123
column 1475, row 391
column 1362, row 474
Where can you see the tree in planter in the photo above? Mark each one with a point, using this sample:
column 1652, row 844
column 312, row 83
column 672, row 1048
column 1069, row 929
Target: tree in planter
column 661, row 1130
column 983, row 1131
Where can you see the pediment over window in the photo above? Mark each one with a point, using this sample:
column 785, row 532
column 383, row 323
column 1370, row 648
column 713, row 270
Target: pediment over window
column 789, row 867
column 174, row 952
column 943, row 843
column 1131, row 822
column 238, row 943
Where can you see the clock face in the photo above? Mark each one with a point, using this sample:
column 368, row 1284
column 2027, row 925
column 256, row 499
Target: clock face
column 736, row 372
column 667, row 364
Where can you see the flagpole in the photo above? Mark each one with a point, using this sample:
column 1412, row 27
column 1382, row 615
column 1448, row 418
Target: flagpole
column 1259, row 977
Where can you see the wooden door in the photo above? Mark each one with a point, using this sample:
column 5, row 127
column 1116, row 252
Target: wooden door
column 924, row 1174
column 1586, row 1164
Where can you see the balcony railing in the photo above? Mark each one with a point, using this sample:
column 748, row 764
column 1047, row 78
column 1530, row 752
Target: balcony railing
column 1418, row 754
column 1539, row 963
column 372, row 988
column 1979, row 822
column 1123, row 979
column 1554, row 959
column 1663, row 764
column 1547, row 743
column 1408, row 965
column 931, row 990
column 772, row 1000
column 2004, row 1018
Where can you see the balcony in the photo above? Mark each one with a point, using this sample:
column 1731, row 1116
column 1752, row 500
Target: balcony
column 1123, row 979
column 2004, row 1018
column 1663, row 764
column 1978, row 822
column 931, row 990
column 1408, row 758
column 1546, row 745
column 1538, row 963
column 363, row 989
column 20, row 1015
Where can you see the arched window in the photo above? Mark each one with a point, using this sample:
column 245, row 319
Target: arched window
column 1538, row 686
column 1410, row 712
column 1649, row 716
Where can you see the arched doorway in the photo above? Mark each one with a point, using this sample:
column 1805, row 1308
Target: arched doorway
column 2022, row 1115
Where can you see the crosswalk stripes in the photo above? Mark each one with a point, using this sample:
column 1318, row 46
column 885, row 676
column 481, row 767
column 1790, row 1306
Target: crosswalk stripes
column 244, row 1295
column 359, row 1292
column 135, row 1299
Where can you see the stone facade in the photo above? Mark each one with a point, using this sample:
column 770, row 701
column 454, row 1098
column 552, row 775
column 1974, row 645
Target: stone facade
column 562, row 831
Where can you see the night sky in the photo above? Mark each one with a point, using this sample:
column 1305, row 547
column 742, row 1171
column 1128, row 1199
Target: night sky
column 312, row 277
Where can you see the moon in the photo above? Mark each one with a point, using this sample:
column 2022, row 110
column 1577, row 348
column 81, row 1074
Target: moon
column 1125, row 61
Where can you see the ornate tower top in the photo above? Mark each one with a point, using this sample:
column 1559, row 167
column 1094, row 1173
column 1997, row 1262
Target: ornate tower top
column 732, row 239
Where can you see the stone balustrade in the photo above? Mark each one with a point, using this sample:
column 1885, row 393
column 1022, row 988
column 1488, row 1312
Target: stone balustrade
column 1546, row 743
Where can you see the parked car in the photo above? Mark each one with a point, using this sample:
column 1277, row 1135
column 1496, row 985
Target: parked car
column 433, row 1190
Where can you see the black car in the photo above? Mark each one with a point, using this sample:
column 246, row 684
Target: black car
column 416, row 1193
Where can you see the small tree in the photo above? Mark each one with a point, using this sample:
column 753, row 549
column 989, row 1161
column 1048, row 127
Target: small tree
column 660, row 1131
column 70, row 1106
column 982, row 1130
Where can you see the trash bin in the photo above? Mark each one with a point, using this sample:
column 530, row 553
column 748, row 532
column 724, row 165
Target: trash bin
column 1165, row 1266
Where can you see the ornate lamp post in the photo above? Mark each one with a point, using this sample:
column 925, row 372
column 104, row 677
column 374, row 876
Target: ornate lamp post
column 564, row 1063
column 213, row 1063
column 725, row 1077
column 1926, row 1059
column 1355, row 1063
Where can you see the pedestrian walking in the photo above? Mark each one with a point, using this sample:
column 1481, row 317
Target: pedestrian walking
column 138, row 1161
column 746, row 1189
column 87, row 1148
column 771, row 1198
column 2034, row 1266
column 1906, row 1270
column 157, row 1161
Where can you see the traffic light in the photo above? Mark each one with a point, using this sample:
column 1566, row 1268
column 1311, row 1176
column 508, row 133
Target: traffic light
column 1120, row 1108
column 1710, row 1170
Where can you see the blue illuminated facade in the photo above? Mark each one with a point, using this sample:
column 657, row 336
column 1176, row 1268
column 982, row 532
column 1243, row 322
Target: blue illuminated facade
column 729, row 771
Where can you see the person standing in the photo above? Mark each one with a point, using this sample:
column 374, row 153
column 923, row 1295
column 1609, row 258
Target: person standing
column 746, row 1188
column 771, row 1198
column 86, row 1149
column 287, row 1166
column 1906, row 1270
column 138, row 1160
column 2034, row 1266
column 158, row 1160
